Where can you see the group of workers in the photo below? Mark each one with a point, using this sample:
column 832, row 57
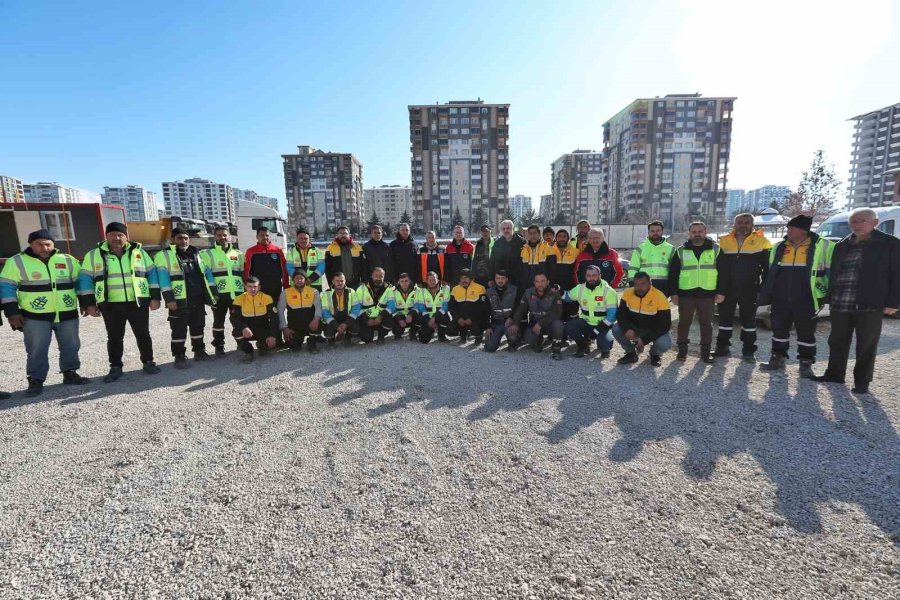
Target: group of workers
column 532, row 289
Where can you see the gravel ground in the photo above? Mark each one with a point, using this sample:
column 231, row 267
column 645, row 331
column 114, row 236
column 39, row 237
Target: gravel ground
column 406, row 472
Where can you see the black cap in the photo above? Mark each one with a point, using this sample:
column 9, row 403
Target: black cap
column 40, row 234
column 801, row 222
column 180, row 231
column 466, row 273
column 302, row 230
column 485, row 226
column 116, row 227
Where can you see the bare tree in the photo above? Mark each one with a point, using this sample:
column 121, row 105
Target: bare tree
column 818, row 189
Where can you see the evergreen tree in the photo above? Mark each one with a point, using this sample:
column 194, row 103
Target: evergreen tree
column 528, row 218
column 561, row 218
column 479, row 218
column 457, row 218
column 816, row 193
column 406, row 218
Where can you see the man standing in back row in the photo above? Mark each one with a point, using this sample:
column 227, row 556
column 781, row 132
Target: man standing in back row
column 796, row 285
column 864, row 287
column 38, row 293
column 119, row 282
column 187, row 286
column 743, row 267
column 227, row 264
column 652, row 257
column 694, row 278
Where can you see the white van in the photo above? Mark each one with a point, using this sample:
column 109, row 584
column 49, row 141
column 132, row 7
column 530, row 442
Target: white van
column 251, row 216
column 836, row 228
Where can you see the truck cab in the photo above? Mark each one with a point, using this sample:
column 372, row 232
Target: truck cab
column 251, row 216
column 836, row 228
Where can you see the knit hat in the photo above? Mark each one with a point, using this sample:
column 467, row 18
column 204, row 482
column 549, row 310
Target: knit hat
column 40, row 234
column 466, row 273
column 180, row 231
column 116, row 227
column 801, row 222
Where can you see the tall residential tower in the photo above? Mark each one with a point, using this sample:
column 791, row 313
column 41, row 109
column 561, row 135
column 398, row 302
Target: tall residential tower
column 324, row 190
column 459, row 161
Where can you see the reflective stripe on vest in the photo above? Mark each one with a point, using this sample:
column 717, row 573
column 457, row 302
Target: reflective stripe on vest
column 176, row 275
column 43, row 288
column 404, row 305
column 313, row 257
column 112, row 281
column 593, row 303
column 700, row 273
column 433, row 303
column 227, row 269
column 653, row 259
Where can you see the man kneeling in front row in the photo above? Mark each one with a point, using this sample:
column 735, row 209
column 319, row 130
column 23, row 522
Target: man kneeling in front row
column 254, row 317
column 300, row 313
column 644, row 318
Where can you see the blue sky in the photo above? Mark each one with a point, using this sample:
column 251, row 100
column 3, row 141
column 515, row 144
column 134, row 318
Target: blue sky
column 122, row 93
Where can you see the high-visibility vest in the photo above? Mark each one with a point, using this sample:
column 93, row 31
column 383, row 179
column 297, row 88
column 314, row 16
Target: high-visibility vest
column 365, row 298
column 117, row 279
column 295, row 299
column 313, row 257
column 593, row 303
column 227, row 266
column 167, row 260
column 653, row 259
column 43, row 288
column 423, row 259
column 433, row 302
column 330, row 305
column 700, row 273
column 402, row 305
column 819, row 267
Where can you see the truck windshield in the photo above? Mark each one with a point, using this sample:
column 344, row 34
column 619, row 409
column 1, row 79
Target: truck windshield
column 837, row 229
column 270, row 223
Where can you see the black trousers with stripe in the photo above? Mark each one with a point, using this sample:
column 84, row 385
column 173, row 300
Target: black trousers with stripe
column 189, row 316
column 746, row 307
column 794, row 314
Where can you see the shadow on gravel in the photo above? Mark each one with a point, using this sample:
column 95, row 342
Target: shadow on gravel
column 811, row 458
column 225, row 371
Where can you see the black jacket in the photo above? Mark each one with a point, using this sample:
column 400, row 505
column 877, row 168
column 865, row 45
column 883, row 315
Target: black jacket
column 508, row 255
column 879, row 274
column 404, row 258
column 378, row 254
column 481, row 262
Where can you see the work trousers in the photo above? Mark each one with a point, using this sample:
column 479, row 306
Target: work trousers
column 496, row 338
column 37, row 345
column 189, row 316
column 581, row 332
column 476, row 328
column 367, row 333
column 302, row 331
column 687, row 306
column 259, row 336
column 221, row 312
column 746, row 307
column 425, row 330
column 657, row 346
column 115, row 316
column 332, row 327
column 866, row 325
column 399, row 326
column 798, row 314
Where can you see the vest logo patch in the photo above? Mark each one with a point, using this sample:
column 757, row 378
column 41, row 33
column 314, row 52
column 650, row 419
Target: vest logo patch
column 60, row 265
column 142, row 286
column 69, row 301
column 178, row 290
column 605, row 263
column 36, row 275
column 598, row 298
column 221, row 264
column 39, row 302
column 273, row 256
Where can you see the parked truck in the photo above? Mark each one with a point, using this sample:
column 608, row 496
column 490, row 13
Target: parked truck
column 76, row 227
column 251, row 216
column 155, row 235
